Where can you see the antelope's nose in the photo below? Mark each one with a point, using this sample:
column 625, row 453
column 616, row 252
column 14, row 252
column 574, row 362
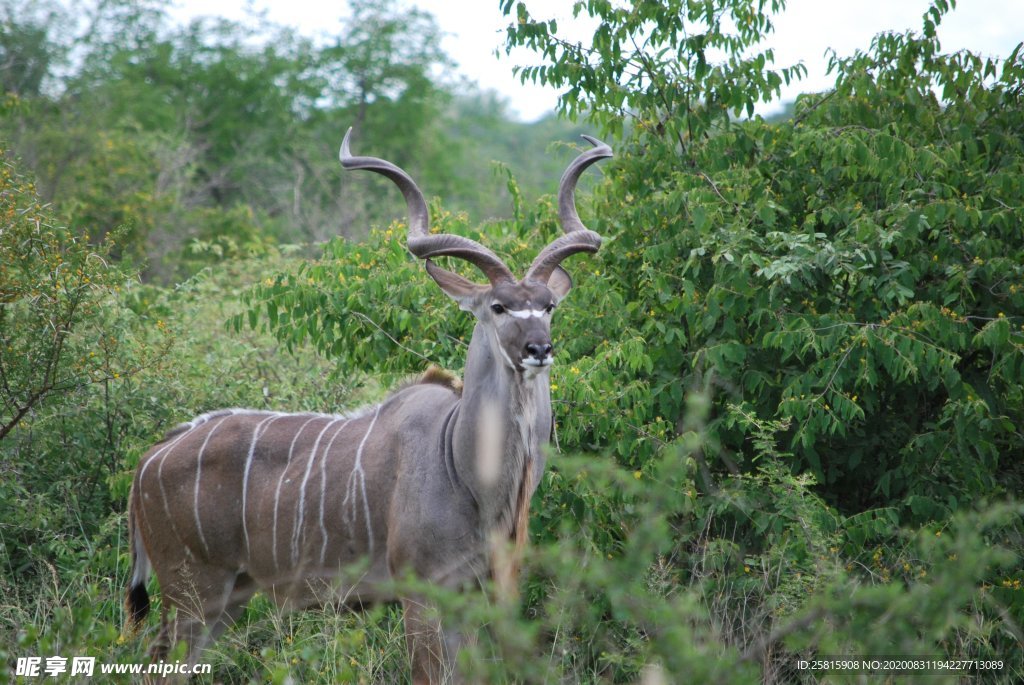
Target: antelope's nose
column 538, row 351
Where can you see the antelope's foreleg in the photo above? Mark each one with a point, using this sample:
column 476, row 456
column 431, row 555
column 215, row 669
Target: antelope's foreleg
column 432, row 651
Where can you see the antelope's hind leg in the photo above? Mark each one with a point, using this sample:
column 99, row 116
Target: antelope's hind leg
column 207, row 600
column 245, row 587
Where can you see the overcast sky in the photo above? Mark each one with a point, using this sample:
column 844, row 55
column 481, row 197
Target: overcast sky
column 474, row 28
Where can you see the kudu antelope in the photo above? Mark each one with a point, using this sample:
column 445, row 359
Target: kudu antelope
column 237, row 501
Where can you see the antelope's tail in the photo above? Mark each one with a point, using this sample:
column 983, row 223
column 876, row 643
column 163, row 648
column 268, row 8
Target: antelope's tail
column 136, row 602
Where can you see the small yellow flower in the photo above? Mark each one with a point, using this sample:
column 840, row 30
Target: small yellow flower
column 638, row 474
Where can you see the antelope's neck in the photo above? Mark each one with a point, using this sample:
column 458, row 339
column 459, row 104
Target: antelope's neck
column 504, row 420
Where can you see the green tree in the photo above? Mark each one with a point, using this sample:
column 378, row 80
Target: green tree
column 183, row 133
column 27, row 51
column 52, row 292
column 674, row 70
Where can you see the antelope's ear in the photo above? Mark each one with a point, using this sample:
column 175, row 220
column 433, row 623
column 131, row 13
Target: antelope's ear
column 462, row 290
column 559, row 282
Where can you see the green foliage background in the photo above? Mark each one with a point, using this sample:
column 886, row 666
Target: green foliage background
column 789, row 408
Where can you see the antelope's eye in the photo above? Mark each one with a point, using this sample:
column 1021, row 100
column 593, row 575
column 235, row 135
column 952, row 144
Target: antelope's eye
column 550, row 308
column 497, row 308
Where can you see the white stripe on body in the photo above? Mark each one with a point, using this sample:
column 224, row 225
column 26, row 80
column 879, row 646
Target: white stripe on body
column 357, row 479
column 323, row 491
column 280, row 482
column 256, row 435
column 199, row 475
column 301, row 514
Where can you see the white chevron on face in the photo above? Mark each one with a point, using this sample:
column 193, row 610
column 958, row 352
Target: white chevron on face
column 527, row 313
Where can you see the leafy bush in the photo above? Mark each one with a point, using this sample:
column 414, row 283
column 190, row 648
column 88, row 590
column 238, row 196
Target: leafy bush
column 853, row 274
